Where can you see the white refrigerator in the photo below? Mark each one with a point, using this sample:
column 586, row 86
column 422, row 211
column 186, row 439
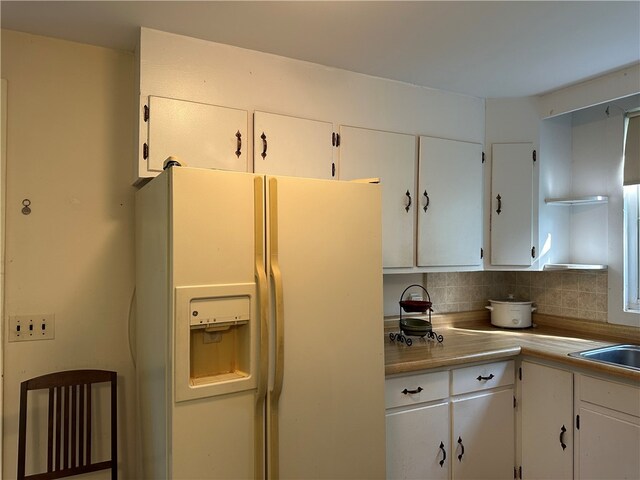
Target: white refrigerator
column 259, row 335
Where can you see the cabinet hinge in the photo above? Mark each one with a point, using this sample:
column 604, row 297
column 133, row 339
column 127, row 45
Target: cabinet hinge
column 535, row 156
column 533, row 252
column 520, row 471
column 145, row 151
column 520, row 373
column 482, row 253
column 482, row 157
column 145, row 115
column 333, row 169
column 578, row 422
column 335, row 139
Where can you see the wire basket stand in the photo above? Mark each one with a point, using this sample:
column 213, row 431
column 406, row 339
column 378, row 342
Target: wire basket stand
column 415, row 327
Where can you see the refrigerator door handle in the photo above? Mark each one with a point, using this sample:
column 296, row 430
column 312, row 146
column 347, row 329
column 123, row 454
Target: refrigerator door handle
column 263, row 292
column 278, row 293
column 278, row 373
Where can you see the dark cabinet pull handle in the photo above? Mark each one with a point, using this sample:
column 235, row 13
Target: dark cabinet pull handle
column 264, row 146
column 499, row 209
column 562, row 432
column 480, row 377
column 409, row 204
column 444, row 454
column 412, row 392
column 461, row 446
column 426, row 205
column 238, row 144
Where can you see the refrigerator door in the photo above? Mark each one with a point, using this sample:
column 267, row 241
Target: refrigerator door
column 326, row 398
column 216, row 235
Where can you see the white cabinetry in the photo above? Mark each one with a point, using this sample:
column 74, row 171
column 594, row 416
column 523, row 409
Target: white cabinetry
column 291, row 146
column 450, row 210
column 200, row 135
column 483, row 430
column 392, row 158
column 512, row 204
column 464, row 425
column 608, row 429
column 547, row 422
column 417, row 426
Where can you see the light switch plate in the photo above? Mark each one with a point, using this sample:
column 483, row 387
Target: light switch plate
column 31, row 327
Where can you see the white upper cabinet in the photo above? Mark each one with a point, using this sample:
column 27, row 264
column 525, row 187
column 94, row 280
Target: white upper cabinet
column 450, row 189
column 391, row 157
column 200, row 135
column 512, row 204
column 291, row 146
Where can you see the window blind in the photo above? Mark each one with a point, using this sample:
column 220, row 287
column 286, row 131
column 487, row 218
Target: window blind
column 632, row 151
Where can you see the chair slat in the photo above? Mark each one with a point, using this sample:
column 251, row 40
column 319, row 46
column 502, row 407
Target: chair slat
column 88, row 442
column 58, row 426
column 66, row 420
column 81, row 426
column 74, row 425
column 50, row 432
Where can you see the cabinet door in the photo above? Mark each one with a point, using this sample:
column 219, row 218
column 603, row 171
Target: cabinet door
column 483, row 436
column 391, row 157
column 609, row 444
column 511, row 203
column 200, row 135
column 450, row 211
column 547, row 422
column 291, row 146
column 418, row 443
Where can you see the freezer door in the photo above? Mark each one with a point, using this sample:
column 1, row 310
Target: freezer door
column 216, row 236
column 326, row 398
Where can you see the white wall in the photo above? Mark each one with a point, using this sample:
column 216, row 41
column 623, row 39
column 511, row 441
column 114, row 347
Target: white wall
column 69, row 150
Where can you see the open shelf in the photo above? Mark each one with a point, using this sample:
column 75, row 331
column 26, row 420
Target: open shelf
column 591, row 200
column 574, row 266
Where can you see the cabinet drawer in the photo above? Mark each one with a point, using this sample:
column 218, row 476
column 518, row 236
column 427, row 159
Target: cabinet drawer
column 427, row 387
column 482, row 377
column 616, row 396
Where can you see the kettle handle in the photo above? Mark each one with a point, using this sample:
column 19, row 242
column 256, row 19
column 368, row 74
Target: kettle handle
column 533, row 309
column 489, row 307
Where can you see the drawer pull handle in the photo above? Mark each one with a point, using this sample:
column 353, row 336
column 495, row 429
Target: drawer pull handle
column 444, row 454
column 408, row 204
column 412, row 392
column 480, row 377
column 562, row 432
column 462, row 447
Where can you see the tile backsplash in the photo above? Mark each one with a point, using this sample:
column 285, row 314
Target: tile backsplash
column 569, row 294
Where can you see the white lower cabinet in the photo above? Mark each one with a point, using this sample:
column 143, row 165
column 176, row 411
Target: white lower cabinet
column 547, row 422
column 607, row 429
column 483, row 436
column 427, row 415
column 418, row 442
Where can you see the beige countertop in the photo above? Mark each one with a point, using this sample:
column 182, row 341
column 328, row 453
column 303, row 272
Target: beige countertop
column 469, row 337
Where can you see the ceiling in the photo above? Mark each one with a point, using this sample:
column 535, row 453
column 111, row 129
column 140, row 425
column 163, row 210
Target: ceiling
column 483, row 49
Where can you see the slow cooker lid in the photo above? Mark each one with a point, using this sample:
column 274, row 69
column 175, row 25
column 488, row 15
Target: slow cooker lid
column 512, row 301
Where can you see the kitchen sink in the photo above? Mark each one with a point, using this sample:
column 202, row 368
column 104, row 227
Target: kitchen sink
column 621, row 355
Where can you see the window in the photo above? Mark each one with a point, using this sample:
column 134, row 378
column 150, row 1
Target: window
column 632, row 213
column 632, row 247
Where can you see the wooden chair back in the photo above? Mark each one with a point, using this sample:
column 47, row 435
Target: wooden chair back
column 69, row 423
